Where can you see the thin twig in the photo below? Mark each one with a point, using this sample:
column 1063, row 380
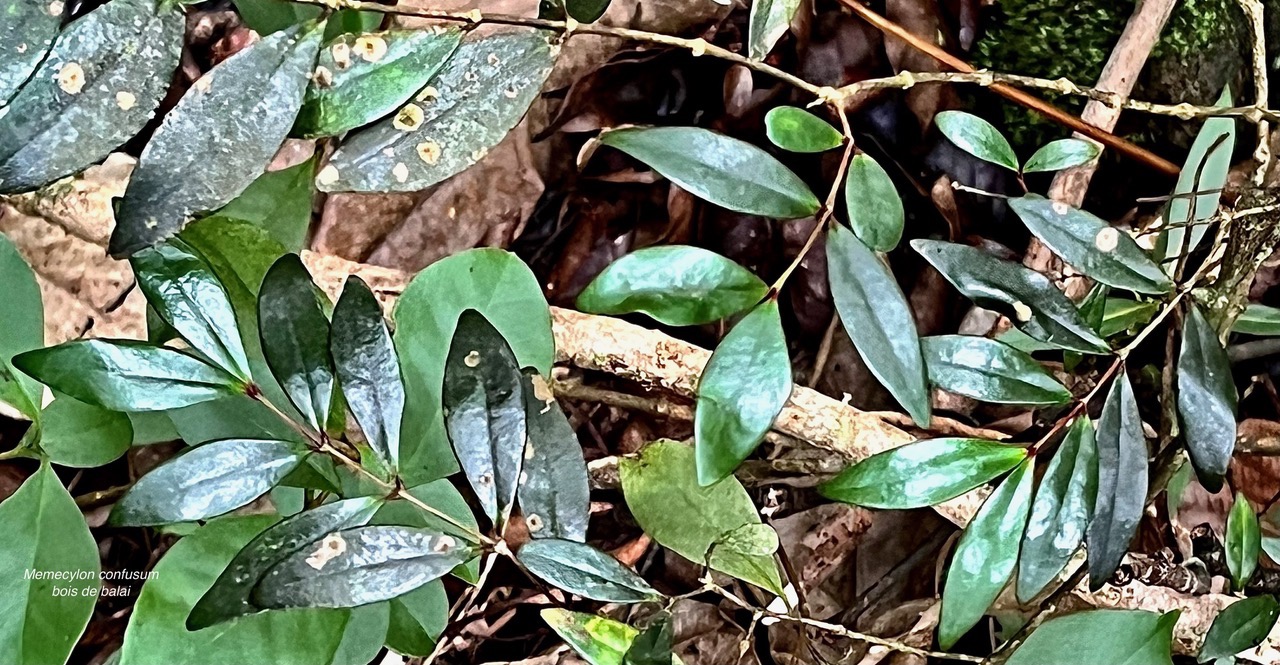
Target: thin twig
column 1257, row 29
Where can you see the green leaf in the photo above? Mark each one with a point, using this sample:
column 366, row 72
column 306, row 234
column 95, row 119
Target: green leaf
column 21, row 329
column 1027, row 297
column 662, row 491
column 480, row 94
column 878, row 319
column 923, row 473
column 44, row 532
column 364, row 634
column 295, row 338
column 86, row 99
column 361, row 78
column 874, row 207
column 986, row 555
column 677, row 285
column 444, row 497
column 750, row 540
column 229, row 597
column 268, row 16
column 976, row 137
column 770, row 19
column 496, row 284
column 368, row 369
column 554, row 496
column 1122, row 482
column 1062, row 154
column 417, row 620
column 1240, row 626
column 484, row 412
column 1198, row 191
column 1243, row 541
column 1272, row 547
column 990, row 371
column 157, row 633
column 584, row 571
column 728, row 172
column 81, row 435
column 206, row 481
column 184, row 292
column 599, row 640
column 586, row 11
column 123, row 375
column 359, row 566
column 217, row 140
column 1131, row 637
column 791, row 128
column 654, row 644
column 1206, row 399
column 1258, row 320
column 1121, row 315
column 741, row 391
column 1091, row 245
column 280, row 202
column 26, row 34
column 1061, row 511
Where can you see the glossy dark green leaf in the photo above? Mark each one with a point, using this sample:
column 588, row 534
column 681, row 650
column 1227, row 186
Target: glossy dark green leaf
column 417, row 620
column 1243, row 541
column 368, row 368
column 220, row 136
column 662, row 491
column 770, row 19
column 554, row 494
column 44, row 532
column 675, row 284
column 268, row 16
column 1061, row 511
column 477, row 97
column 206, row 481
column 584, row 571
column 1062, row 154
column 792, row 128
column 1240, row 626
column 1206, row 399
column 182, row 289
column 874, row 207
column 728, row 172
column 599, row 640
column 444, row 497
column 358, row 566
column 976, row 137
column 280, row 202
column 654, row 644
column 923, row 473
column 361, row 78
column 986, row 555
column 1132, row 637
column 26, row 33
column 484, row 412
column 126, row 376
column 1122, row 482
column 1258, row 320
column 82, row 435
column 741, row 391
column 295, row 338
column 586, row 11
column 1197, row 194
column 229, row 597
column 1123, row 315
column 1091, row 245
column 21, row 329
column 990, row 371
column 1027, row 297
column 878, row 319
column 85, row 99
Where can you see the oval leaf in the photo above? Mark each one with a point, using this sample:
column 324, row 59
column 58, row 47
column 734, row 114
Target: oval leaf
column 986, row 555
column 1198, row 192
column 295, row 338
column 1206, row 399
column 730, row 173
column 1062, row 154
column 1061, row 511
column 479, row 95
column 1243, row 541
column 874, row 207
column 976, row 137
column 1122, row 482
column 555, row 495
column 1132, row 637
column 359, row 566
column 220, row 137
column 1091, row 245
column 924, row 473
column 206, row 481
column 741, row 391
column 368, row 368
column 599, row 640
column 990, row 371
column 21, row 329
column 585, row 571
column 85, row 99
column 1240, row 626
column 361, row 78
column 751, row 540
column 769, row 21
column 82, row 435
column 1258, row 320
column 124, row 375
column 796, row 129
column 26, row 34
column 1027, row 297
column 878, row 319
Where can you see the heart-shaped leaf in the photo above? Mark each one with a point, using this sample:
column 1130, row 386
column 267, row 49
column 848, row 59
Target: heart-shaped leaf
column 924, row 473
column 368, row 368
column 1061, row 511
column 796, row 129
column 25, row 37
column 1206, row 399
column 1243, row 541
column 1258, row 320
column 206, row 481
column 1122, row 482
column 295, row 338
column 1240, row 626
column 82, row 435
column 769, row 21
column 728, row 172
column 1132, row 637
column 990, row 371
column 741, row 391
column 878, row 319
column 555, row 496
column 1062, row 154
column 873, row 205
column 1198, row 192
column 21, row 329
column 976, row 137
column 584, row 571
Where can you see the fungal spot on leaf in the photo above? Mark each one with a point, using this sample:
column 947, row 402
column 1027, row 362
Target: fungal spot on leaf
column 331, row 547
column 22, row 48
column 528, row 451
column 328, row 175
column 443, row 544
column 1060, row 207
column 408, row 118
column 341, row 55
column 511, row 92
column 494, row 60
column 475, row 16
column 71, row 78
column 1021, row 311
column 428, row 94
column 371, row 47
column 429, row 151
column 126, row 100
column 477, row 155
column 202, row 84
column 472, row 359
column 534, row 522
column 56, row 7
column 1107, row 239
column 524, row 477
column 400, row 171
column 322, row 77
column 486, row 479
column 470, row 77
